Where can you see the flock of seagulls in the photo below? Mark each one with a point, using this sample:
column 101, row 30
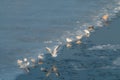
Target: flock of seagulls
column 25, row 64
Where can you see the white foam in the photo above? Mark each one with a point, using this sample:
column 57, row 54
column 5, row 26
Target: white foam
column 105, row 47
column 47, row 41
column 99, row 23
column 117, row 61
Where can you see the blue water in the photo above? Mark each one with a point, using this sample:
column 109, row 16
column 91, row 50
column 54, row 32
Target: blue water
column 27, row 26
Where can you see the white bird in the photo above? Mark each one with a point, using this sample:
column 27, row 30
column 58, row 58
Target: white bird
column 54, row 51
column 25, row 59
column 68, row 40
column 105, row 19
column 68, row 45
column 33, row 62
column 87, row 33
column 78, row 42
column 79, row 37
column 40, row 58
column 24, row 64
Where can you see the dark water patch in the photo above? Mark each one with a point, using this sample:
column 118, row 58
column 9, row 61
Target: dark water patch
column 89, row 65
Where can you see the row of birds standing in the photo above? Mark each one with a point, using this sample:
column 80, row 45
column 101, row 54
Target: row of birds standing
column 26, row 65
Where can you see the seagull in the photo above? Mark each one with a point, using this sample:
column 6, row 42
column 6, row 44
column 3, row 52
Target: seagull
column 68, row 42
column 105, row 17
column 90, row 28
column 40, row 58
column 78, row 42
column 54, row 51
column 33, row 62
column 87, row 33
column 25, row 59
column 79, row 37
column 19, row 62
column 68, row 45
column 24, row 64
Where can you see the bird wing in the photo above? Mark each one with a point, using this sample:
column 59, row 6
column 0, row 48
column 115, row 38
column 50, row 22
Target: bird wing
column 86, row 31
column 56, row 49
column 48, row 49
